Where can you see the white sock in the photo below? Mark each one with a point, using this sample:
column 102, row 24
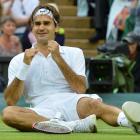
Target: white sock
column 84, row 125
column 122, row 120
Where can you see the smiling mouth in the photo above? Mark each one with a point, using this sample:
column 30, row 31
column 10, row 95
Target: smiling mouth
column 43, row 34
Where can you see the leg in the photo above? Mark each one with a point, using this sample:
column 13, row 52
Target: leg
column 88, row 106
column 21, row 118
column 132, row 111
column 86, row 125
column 26, row 120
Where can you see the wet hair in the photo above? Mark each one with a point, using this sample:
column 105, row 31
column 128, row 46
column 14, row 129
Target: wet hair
column 49, row 7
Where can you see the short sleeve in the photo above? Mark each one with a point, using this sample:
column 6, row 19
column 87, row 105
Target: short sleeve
column 14, row 67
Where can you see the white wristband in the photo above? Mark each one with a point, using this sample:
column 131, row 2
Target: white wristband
column 22, row 73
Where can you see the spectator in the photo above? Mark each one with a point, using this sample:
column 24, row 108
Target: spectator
column 82, row 8
column 9, row 43
column 133, row 43
column 130, row 47
column 20, row 10
column 100, row 18
column 137, row 18
column 119, row 12
column 6, row 5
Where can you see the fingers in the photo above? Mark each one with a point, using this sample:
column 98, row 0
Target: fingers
column 53, row 46
column 29, row 54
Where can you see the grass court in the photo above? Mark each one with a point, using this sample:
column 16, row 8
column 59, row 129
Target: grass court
column 105, row 132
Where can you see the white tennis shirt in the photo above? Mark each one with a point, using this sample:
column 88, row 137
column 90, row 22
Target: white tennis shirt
column 44, row 76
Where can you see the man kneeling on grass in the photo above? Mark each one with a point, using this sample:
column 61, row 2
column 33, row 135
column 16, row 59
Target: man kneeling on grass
column 52, row 79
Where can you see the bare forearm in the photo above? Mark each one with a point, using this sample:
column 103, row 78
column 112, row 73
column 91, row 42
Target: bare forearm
column 14, row 91
column 21, row 22
column 76, row 82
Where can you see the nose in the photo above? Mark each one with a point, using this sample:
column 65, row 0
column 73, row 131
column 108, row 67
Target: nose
column 41, row 27
column 12, row 28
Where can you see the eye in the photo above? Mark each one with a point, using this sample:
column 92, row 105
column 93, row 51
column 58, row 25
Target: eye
column 37, row 23
column 46, row 22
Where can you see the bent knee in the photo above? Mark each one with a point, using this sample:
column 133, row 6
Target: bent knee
column 8, row 114
column 96, row 106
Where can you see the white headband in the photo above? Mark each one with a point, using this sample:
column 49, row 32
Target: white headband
column 44, row 11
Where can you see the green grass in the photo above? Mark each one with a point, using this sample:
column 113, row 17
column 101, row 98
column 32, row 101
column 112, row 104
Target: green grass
column 105, row 132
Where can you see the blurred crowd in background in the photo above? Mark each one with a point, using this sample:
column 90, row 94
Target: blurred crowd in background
column 115, row 21
column 112, row 19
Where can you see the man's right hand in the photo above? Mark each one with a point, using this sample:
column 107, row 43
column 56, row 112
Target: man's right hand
column 29, row 54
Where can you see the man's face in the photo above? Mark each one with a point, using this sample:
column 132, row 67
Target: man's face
column 43, row 28
column 132, row 49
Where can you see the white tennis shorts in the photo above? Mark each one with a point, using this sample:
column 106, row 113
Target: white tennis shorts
column 65, row 104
